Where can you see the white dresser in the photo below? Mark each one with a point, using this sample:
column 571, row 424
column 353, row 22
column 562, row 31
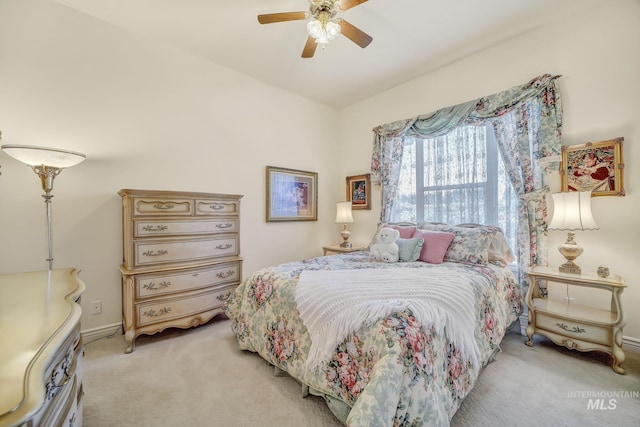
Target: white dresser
column 181, row 258
column 41, row 349
column 577, row 326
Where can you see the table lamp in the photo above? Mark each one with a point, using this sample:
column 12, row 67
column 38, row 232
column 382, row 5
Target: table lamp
column 344, row 217
column 572, row 212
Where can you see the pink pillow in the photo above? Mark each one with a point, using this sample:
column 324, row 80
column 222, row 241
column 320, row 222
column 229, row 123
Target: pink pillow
column 406, row 231
column 435, row 245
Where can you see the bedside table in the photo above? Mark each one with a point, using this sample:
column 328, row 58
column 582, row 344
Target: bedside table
column 577, row 326
column 342, row 250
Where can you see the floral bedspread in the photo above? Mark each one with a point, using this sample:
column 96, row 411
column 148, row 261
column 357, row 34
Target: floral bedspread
column 392, row 373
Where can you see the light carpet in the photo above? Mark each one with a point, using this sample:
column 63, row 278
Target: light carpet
column 199, row 377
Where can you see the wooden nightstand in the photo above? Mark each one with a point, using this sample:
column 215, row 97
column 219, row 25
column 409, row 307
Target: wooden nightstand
column 340, row 250
column 577, row 326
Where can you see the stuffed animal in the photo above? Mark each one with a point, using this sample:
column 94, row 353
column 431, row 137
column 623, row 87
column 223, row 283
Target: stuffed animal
column 386, row 249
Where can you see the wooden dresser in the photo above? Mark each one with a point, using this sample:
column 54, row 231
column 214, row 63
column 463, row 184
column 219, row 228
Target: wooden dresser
column 41, row 349
column 181, row 258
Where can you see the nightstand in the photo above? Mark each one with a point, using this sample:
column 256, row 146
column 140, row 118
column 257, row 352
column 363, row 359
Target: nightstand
column 342, row 250
column 577, row 326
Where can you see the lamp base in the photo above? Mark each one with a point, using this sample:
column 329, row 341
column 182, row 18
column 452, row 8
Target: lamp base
column 570, row 250
column 345, row 236
column 570, row 267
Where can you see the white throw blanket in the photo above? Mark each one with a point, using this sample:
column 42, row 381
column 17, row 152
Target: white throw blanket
column 335, row 303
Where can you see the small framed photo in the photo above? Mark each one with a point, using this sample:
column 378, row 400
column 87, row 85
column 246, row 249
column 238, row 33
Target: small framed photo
column 595, row 167
column 292, row 195
column 358, row 191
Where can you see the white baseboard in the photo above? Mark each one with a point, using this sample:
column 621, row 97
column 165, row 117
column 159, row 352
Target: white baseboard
column 91, row 335
column 634, row 343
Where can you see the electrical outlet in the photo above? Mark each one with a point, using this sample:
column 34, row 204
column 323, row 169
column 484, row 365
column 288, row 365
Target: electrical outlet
column 96, row 307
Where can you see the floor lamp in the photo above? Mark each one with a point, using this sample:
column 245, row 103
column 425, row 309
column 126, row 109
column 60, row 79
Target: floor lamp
column 47, row 163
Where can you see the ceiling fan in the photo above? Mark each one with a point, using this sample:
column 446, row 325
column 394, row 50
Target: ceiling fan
column 324, row 25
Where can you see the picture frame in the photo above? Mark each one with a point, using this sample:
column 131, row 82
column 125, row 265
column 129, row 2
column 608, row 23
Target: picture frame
column 292, row 195
column 594, row 166
column 359, row 191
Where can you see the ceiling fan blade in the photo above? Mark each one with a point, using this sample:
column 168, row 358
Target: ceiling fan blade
column 354, row 34
column 270, row 18
column 348, row 4
column 309, row 48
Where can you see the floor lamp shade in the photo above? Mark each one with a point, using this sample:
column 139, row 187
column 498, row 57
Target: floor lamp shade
column 572, row 212
column 47, row 163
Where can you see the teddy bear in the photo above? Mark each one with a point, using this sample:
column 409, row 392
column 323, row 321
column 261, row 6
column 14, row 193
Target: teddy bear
column 386, row 249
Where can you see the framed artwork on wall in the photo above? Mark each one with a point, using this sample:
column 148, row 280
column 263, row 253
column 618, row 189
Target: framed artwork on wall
column 594, row 166
column 292, row 195
column 358, row 191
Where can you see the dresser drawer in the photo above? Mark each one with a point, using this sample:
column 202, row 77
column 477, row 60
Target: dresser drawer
column 184, row 227
column 574, row 329
column 169, row 309
column 217, row 207
column 143, row 206
column 157, row 284
column 61, row 385
column 148, row 253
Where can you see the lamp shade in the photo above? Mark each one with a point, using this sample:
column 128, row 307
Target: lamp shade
column 38, row 156
column 572, row 211
column 343, row 213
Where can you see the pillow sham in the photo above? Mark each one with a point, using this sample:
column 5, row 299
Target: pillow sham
column 499, row 250
column 435, row 245
column 410, row 249
column 470, row 245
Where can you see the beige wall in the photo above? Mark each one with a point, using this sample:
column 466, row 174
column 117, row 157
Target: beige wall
column 146, row 117
column 598, row 57
column 153, row 117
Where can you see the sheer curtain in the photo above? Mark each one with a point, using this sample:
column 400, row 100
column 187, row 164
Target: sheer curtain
column 527, row 120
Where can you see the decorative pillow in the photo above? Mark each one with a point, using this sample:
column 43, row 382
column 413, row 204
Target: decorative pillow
column 435, row 245
column 406, row 231
column 470, row 245
column 409, row 249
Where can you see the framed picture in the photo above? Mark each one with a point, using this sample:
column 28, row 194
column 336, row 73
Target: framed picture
column 358, row 191
column 292, row 195
column 594, row 166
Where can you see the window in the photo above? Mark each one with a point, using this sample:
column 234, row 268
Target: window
column 456, row 178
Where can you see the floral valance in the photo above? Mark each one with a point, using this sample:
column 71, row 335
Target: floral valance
column 543, row 89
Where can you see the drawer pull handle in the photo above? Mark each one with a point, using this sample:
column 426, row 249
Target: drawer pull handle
column 164, row 206
column 52, row 387
column 151, row 286
column 225, row 225
column 225, row 246
column 156, row 228
column 575, row 329
column 159, row 252
column 225, row 274
column 161, row 312
column 223, row 297
column 216, row 206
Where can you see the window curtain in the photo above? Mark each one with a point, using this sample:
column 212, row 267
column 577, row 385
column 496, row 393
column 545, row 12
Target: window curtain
column 528, row 123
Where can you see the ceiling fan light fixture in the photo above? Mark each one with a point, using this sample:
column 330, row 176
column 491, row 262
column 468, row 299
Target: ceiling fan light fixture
column 323, row 29
column 324, row 25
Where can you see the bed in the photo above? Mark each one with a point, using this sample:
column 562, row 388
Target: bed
column 385, row 344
